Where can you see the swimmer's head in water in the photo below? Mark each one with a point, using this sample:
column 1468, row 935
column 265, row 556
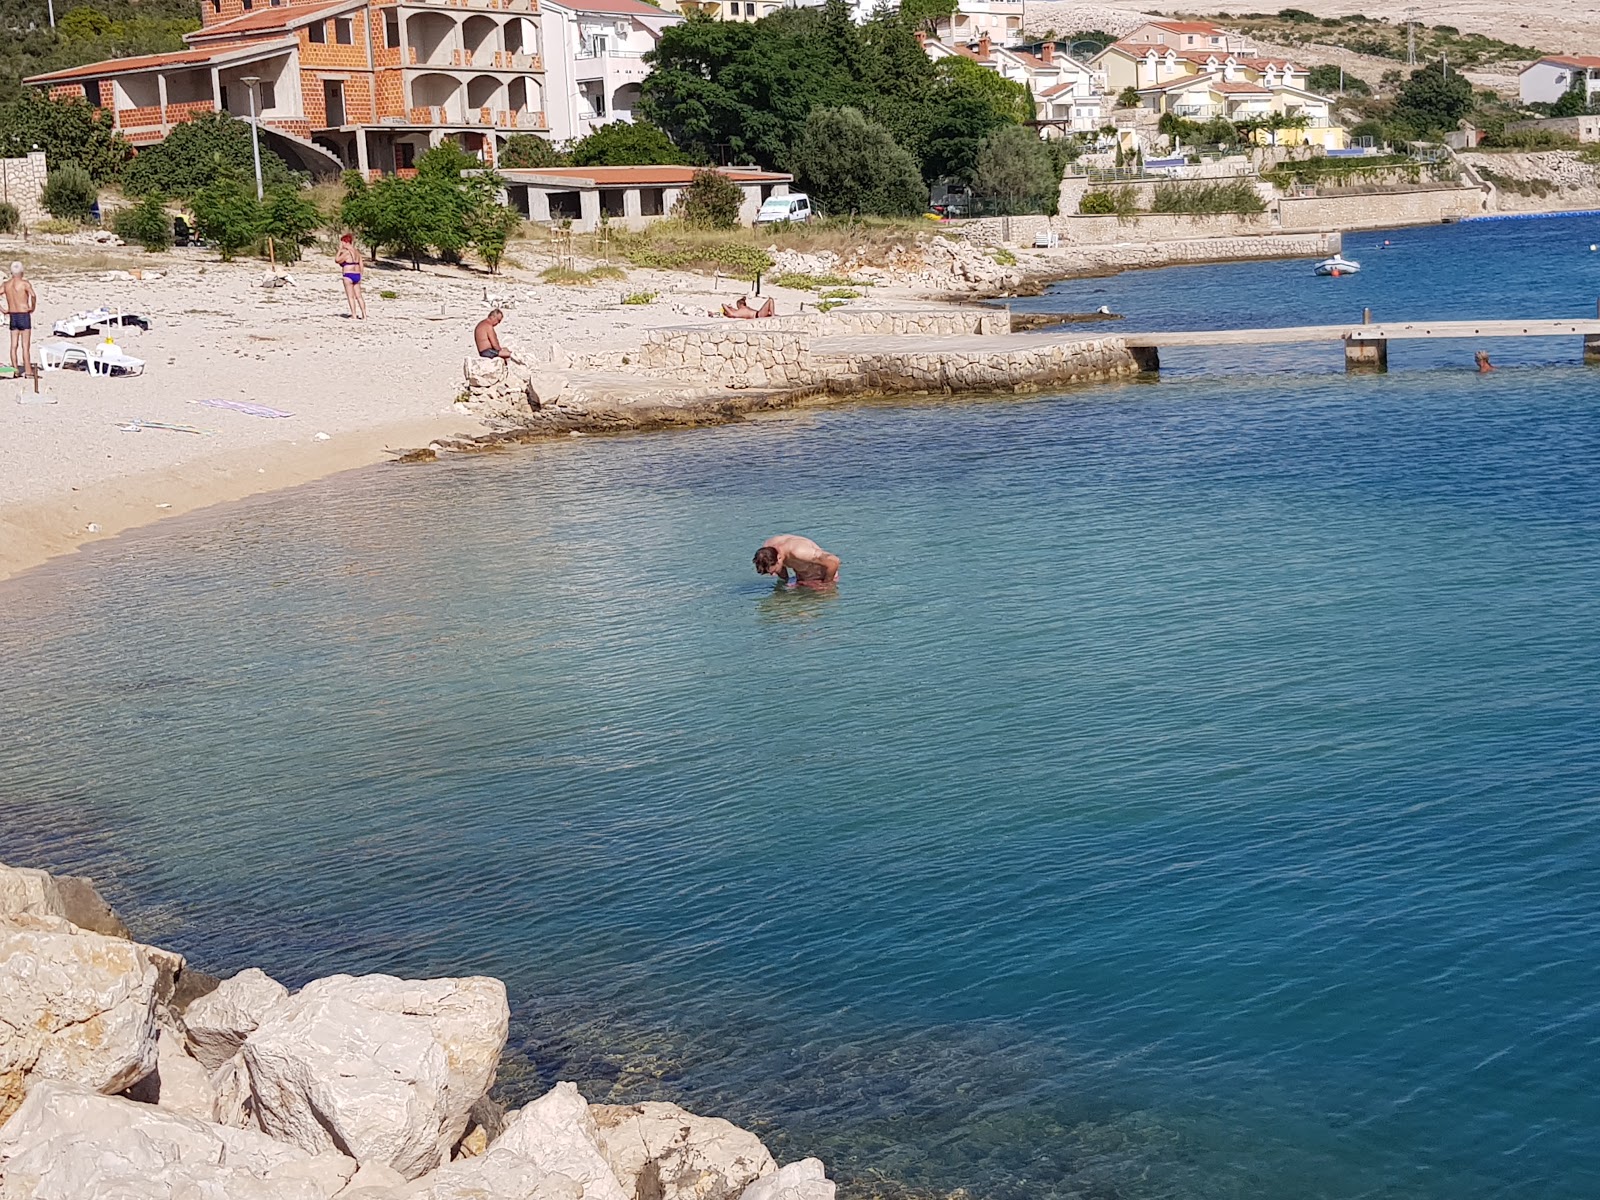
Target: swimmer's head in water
column 766, row 558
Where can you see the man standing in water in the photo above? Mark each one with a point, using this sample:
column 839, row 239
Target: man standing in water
column 19, row 302
column 812, row 565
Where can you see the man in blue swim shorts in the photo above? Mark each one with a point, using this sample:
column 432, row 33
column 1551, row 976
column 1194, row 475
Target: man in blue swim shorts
column 487, row 340
column 18, row 299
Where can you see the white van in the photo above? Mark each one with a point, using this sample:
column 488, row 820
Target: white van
column 796, row 206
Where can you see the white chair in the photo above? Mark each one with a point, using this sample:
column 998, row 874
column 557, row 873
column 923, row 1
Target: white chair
column 106, row 358
column 53, row 356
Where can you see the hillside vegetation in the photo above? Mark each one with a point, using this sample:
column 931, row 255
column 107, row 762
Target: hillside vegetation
column 1377, row 37
column 86, row 31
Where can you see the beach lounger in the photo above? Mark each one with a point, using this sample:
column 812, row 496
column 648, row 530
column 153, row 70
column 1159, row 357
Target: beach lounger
column 53, row 356
column 107, row 360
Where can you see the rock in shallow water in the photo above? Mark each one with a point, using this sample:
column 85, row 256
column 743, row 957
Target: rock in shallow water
column 383, row 1069
column 803, row 1180
column 557, row 1134
column 67, row 1143
column 660, row 1152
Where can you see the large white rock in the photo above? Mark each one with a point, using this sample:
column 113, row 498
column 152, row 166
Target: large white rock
column 218, row 1022
column 183, row 1085
column 74, row 1006
column 557, row 1134
column 380, row 1068
column 67, row 1143
column 803, row 1180
column 500, row 1175
column 25, row 890
column 660, row 1152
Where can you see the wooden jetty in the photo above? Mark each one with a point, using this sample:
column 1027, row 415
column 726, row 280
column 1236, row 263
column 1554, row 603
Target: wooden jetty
column 1366, row 345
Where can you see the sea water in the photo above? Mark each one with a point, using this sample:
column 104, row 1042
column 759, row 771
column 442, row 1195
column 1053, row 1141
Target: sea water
column 1190, row 790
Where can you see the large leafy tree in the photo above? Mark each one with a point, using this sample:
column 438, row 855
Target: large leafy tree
column 66, row 130
column 853, row 166
column 1017, row 171
column 969, row 103
column 529, row 150
column 195, row 153
column 625, row 144
column 1433, row 100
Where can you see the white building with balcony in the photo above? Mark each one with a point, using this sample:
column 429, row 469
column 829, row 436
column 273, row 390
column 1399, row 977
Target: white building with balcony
column 594, row 60
column 998, row 20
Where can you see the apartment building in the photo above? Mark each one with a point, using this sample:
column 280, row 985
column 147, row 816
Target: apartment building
column 371, row 84
column 1068, row 95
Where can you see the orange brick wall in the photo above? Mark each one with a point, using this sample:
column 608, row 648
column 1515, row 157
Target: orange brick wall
column 214, row 12
column 330, row 54
column 391, row 94
column 311, row 95
column 67, row 91
column 357, row 97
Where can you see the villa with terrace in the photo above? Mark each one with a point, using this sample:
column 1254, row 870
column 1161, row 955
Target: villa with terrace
column 371, row 84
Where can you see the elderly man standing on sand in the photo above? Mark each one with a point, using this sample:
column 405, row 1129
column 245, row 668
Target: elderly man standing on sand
column 812, row 565
column 486, row 339
column 18, row 299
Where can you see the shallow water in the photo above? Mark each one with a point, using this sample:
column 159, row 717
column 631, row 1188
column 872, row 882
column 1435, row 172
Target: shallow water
column 1190, row 790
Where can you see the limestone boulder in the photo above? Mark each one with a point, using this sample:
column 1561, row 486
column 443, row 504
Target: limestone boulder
column 24, row 890
column 69, row 1143
column 217, row 1024
column 803, row 1180
column 497, row 1175
column 178, row 1084
column 558, row 1135
column 384, row 1069
column 660, row 1152
column 78, row 1007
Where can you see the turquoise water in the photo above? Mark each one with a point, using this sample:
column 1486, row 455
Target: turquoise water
column 1190, row 791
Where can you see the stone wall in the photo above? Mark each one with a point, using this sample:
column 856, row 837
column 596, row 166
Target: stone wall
column 1160, row 227
column 973, row 370
column 1380, row 210
column 1583, row 129
column 22, row 184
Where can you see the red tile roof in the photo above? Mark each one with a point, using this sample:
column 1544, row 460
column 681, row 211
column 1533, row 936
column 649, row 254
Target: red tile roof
column 149, row 62
column 1241, row 89
column 270, row 20
column 1573, row 60
column 635, row 176
column 637, row 8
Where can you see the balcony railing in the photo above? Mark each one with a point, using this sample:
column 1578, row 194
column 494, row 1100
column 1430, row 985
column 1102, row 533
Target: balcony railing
column 520, row 6
column 516, row 60
column 497, row 118
column 479, row 60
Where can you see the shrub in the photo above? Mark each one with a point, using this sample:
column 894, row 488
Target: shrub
column 1018, row 172
column 1097, row 204
column 10, row 218
column 802, row 282
column 69, row 193
column 1204, row 197
column 1005, row 258
column 575, row 278
column 386, row 294
column 1128, row 98
column 711, row 201
column 625, row 144
column 290, row 220
column 488, row 223
column 840, row 294
column 147, row 223
column 529, row 151
column 228, row 215
column 639, row 298
column 66, row 130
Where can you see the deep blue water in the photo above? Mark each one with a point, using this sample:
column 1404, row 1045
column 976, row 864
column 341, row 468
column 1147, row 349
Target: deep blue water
column 1190, row 791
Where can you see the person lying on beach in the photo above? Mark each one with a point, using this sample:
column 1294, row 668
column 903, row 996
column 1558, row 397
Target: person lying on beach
column 812, row 565
column 487, row 340
column 743, row 312
column 18, row 300
column 1482, row 359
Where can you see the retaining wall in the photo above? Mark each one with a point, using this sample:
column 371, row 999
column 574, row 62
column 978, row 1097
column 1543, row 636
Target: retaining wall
column 22, row 184
column 1380, row 210
column 979, row 371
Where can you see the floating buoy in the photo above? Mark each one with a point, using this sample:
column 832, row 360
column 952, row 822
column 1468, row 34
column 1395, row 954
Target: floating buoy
column 1336, row 273
column 1593, row 247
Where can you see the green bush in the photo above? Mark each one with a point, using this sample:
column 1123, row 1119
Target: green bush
column 147, row 224
column 195, row 153
column 10, row 218
column 228, row 215
column 1018, row 172
column 1005, row 258
column 1128, row 97
column 625, row 144
column 290, row 220
column 1204, row 197
column 711, row 201
column 639, row 298
column 69, row 193
column 66, row 130
column 529, row 151
column 852, row 165
column 1527, row 139
column 1097, row 204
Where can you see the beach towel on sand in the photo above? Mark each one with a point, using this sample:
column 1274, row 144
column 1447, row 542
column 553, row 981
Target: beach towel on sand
column 249, row 410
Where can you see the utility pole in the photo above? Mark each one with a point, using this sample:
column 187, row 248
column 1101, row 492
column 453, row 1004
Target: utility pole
column 250, row 81
column 51, row 5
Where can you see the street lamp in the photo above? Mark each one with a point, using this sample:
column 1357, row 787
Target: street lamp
column 250, row 81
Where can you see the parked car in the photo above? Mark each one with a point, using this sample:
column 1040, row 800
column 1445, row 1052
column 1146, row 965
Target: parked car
column 796, row 206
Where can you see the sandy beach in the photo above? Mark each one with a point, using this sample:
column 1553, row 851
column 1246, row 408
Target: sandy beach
column 356, row 391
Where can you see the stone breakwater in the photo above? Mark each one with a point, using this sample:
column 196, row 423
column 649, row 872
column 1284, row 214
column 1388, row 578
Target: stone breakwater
column 124, row 1073
column 712, row 374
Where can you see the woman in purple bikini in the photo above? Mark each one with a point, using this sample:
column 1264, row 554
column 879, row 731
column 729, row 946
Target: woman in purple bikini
column 349, row 260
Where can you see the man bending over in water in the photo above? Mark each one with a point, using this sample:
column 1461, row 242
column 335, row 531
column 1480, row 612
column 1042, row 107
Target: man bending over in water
column 812, row 565
column 487, row 340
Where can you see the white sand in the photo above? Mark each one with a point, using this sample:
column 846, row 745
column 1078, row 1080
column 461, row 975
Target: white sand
column 384, row 384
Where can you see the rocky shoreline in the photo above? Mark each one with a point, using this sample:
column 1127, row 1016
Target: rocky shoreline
column 125, row 1073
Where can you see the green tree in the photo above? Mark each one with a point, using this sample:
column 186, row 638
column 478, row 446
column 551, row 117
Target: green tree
column 146, row 223
column 969, row 103
column 10, row 218
column 228, row 215
column 1575, row 101
column 1433, row 101
column 1128, row 97
column 291, row 220
column 196, row 153
column 1017, row 171
column 711, row 201
column 65, row 130
column 925, row 14
column 625, row 144
column 530, row 151
column 1328, row 79
column 850, row 165
column 69, row 193
column 1219, row 131
column 488, row 222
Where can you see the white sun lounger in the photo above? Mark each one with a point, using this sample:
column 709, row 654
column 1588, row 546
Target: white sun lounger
column 53, row 356
column 106, row 359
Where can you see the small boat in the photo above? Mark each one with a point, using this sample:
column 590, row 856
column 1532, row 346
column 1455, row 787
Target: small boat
column 1337, row 265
